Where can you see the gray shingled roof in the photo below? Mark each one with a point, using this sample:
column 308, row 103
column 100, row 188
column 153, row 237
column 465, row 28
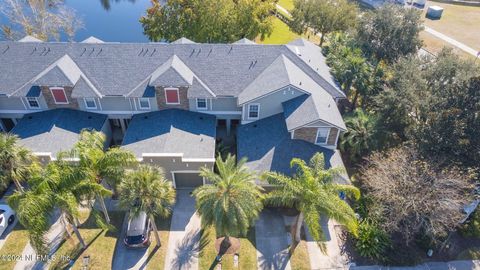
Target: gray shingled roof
column 268, row 146
column 56, row 130
column 172, row 131
column 118, row 68
column 245, row 41
column 83, row 88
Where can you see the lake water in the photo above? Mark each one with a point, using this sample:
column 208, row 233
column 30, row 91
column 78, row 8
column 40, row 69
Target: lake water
column 110, row 20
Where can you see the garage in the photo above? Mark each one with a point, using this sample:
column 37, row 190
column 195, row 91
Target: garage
column 187, row 180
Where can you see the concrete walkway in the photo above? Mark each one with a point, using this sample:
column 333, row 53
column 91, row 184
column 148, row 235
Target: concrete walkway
column 333, row 258
column 272, row 241
column 184, row 238
column 451, row 41
column 453, row 265
column 125, row 258
column 54, row 237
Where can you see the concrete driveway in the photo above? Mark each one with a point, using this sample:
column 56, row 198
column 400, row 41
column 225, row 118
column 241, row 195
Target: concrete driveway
column 125, row 258
column 184, row 238
column 271, row 241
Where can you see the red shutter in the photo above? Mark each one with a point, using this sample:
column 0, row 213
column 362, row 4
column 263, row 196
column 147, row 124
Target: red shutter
column 172, row 96
column 59, row 95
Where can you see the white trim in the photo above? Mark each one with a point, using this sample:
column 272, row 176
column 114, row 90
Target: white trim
column 338, row 135
column 199, row 108
column 86, row 104
column 319, row 120
column 198, row 160
column 140, row 103
column 224, row 112
column 326, row 137
column 28, row 103
column 162, row 154
column 170, row 89
column 23, row 103
column 64, row 93
column 293, row 134
column 289, row 86
column 42, row 154
column 18, row 111
column 258, row 111
column 99, row 103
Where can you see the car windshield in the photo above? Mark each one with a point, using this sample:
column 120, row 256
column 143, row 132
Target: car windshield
column 134, row 240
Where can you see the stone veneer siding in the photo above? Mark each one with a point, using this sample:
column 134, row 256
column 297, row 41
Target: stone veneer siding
column 47, row 94
column 182, row 94
column 309, row 134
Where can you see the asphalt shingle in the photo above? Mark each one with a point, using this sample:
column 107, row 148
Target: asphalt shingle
column 172, row 131
column 55, row 130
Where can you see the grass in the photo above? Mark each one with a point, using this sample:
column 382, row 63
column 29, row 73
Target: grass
column 281, row 34
column 470, row 254
column 458, row 22
column 100, row 243
column 247, row 254
column 156, row 256
column 287, row 4
column 300, row 258
column 16, row 242
column 434, row 45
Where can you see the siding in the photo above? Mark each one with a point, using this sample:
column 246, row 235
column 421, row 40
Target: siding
column 115, row 104
column 309, row 134
column 225, row 104
column 81, row 105
column 169, row 166
column 272, row 104
column 11, row 104
column 72, row 102
column 162, row 104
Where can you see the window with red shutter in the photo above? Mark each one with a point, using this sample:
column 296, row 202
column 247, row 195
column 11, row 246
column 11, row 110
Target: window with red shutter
column 59, row 95
column 171, row 96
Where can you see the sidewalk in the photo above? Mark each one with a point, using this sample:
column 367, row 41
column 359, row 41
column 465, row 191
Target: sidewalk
column 54, row 237
column 451, row 41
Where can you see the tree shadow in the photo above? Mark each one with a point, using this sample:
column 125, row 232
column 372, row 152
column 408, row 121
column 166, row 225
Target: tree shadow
column 189, row 249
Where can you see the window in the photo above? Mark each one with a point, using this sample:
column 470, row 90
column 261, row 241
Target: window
column 253, row 111
column 90, row 103
column 201, row 103
column 144, row 103
column 171, row 96
column 322, row 135
column 33, row 103
column 59, row 95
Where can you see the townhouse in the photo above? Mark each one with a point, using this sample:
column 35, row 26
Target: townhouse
column 167, row 102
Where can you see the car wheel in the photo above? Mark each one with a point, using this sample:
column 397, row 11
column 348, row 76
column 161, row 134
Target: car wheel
column 11, row 219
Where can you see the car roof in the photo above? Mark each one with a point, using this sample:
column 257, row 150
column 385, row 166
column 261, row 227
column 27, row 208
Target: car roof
column 136, row 224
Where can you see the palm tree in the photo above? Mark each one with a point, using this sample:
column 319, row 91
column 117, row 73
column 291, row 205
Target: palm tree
column 232, row 201
column 147, row 190
column 59, row 186
column 362, row 136
column 32, row 208
column 313, row 193
column 100, row 164
column 15, row 161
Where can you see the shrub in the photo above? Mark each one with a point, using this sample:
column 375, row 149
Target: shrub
column 372, row 241
column 471, row 228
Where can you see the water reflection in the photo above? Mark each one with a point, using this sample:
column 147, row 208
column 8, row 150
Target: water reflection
column 106, row 4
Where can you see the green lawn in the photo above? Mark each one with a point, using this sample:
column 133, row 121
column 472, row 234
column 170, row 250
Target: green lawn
column 247, row 254
column 287, row 4
column 16, row 242
column 100, row 244
column 300, row 259
column 156, row 256
column 469, row 254
column 281, row 34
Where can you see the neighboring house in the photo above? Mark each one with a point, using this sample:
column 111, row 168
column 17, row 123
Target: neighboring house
column 180, row 141
column 241, row 84
column 50, row 132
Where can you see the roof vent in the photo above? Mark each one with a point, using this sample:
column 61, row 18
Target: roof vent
column 8, row 47
column 255, row 125
column 89, row 117
column 201, row 117
column 30, row 117
column 145, row 117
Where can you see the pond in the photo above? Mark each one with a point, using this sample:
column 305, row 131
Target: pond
column 109, row 20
